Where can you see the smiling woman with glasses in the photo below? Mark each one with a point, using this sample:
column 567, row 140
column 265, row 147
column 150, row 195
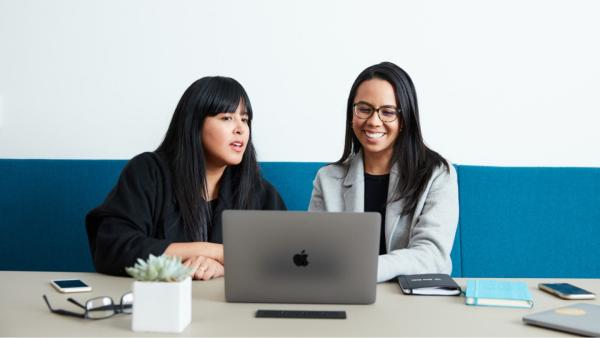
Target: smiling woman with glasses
column 97, row 308
column 387, row 168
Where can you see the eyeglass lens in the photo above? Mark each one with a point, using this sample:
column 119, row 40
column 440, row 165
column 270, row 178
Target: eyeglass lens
column 127, row 303
column 100, row 307
column 103, row 307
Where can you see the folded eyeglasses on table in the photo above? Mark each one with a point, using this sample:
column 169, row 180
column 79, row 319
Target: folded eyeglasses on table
column 97, row 308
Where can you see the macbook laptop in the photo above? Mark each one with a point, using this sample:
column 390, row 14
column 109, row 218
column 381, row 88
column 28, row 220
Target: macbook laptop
column 300, row 257
column 581, row 318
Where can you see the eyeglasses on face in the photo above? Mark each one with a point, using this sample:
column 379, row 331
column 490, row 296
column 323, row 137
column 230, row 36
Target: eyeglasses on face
column 97, row 308
column 364, row 110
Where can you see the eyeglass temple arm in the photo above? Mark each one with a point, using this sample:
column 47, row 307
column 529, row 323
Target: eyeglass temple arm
column 62, row 312
column 75, row 302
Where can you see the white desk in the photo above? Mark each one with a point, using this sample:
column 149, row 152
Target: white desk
column 24, row 313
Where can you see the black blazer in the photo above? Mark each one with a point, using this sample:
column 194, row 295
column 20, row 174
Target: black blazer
column 140, row 215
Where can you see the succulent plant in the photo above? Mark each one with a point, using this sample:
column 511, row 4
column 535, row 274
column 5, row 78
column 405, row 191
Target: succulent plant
column 159, row 269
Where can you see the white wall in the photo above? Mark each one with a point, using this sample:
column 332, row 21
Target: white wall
column 499, row 82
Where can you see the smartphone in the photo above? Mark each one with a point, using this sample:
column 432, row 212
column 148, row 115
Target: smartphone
column 70, row 285
column 566, row 291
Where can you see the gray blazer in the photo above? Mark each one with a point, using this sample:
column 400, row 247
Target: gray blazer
column 418, row 243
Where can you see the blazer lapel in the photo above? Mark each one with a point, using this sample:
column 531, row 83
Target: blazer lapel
column 393, row 209
column 354, row 185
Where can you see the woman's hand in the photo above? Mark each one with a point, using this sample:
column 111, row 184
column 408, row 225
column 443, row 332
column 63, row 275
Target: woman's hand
column 204, row 268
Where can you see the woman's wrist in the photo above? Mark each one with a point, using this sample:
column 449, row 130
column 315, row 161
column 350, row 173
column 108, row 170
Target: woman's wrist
column 217, row 250
column 188, row 250
column 210, row 250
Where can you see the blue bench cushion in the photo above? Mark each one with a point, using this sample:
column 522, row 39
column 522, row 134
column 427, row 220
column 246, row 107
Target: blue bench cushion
column 43, row 205
column 529, row 222
column 293, row 180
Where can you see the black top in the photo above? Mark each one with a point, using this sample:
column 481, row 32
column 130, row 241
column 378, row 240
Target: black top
column 376, row 190
column 213, row 208
column 140, row 215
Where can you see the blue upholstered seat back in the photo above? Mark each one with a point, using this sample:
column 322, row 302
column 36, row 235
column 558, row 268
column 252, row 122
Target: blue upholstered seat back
column 43, row 204
column 530, row 222
column 514, row 222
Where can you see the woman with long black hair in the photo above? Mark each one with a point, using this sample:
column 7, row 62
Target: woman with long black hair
column 170, row 200
column 387, row 168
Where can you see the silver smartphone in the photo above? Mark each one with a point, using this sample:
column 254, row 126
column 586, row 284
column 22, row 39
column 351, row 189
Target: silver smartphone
column 566, row 291
column 70, row 285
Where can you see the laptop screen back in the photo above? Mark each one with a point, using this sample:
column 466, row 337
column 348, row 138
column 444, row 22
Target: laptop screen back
column 300, row 257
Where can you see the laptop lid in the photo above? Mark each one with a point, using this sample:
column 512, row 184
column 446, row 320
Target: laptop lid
column 581, row 318
column 300, row 257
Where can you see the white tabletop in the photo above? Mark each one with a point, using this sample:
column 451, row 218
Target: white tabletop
column 24, row 313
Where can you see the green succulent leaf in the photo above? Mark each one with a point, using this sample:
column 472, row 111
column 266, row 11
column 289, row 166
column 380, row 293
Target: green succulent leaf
column 159, row 269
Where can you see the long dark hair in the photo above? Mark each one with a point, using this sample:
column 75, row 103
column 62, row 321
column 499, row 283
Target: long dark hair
column 182, row 147
column 415, row 160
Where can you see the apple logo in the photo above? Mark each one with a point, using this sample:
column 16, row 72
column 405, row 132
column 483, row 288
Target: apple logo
column 301, row 259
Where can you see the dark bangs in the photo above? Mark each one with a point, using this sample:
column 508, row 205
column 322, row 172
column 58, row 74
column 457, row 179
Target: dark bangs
column 223, row 95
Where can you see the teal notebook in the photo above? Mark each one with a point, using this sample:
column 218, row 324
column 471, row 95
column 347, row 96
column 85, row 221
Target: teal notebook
column 498, row 293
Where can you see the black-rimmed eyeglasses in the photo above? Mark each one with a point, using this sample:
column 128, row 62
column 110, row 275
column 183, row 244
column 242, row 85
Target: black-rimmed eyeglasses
column 97, row 308
column 386, row 114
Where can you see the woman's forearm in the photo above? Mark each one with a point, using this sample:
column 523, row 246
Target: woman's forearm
column 193, row 249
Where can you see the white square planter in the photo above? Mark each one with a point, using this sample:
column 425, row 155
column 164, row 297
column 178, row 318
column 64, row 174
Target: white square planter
column 162, row 306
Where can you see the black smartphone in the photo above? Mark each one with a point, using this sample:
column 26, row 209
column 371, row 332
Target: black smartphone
column 566, row 291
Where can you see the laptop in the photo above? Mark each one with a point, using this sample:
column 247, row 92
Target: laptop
column 300, row 257
column 581, row 318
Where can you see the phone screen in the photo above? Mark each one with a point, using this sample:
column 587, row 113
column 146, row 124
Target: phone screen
column 72, row 283
column 568, row 289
